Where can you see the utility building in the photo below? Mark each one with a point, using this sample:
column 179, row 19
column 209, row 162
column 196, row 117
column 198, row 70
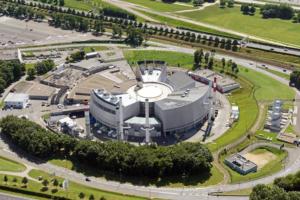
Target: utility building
column 16, row 100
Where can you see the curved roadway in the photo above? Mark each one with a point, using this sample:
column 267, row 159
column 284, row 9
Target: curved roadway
column 292, row 166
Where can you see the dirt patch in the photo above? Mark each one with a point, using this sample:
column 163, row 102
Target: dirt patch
column 261, row 159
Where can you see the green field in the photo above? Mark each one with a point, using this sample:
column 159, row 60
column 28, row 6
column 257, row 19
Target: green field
column 62, row 163
column 160, row 6
column 244, row 98
column 86, row 4
column 75, row 189
column 10, row 165
column 270, row 168
column 280, row 74
column 267, row 88
column 231, row 18
column 178, row 23
column 174, row 59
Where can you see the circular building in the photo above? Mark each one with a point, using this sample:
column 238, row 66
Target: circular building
column 160, row 103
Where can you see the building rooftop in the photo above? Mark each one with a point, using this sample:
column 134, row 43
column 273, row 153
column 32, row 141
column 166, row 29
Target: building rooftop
column 142, row 120
column 87, row 64
column 241, row 162
column 183, row 97
column 180, row 80
column 16, row 97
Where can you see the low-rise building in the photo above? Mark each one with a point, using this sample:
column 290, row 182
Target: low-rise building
column 240, row 164
column 16, row 100
column 224, row 84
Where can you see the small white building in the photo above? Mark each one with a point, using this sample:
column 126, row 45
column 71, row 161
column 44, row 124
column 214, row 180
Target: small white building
column 16, row 100
column 235, row 113
column 94, row 54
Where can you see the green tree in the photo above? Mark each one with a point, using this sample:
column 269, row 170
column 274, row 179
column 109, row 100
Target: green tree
column 45, row 182
column 134, row 37
column 24, row 181
column 5, row 179
column 81, row 195
column 31, row 74
column 55, row 182
column 91, row 197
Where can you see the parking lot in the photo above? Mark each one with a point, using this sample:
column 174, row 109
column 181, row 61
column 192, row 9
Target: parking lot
column 15, row 33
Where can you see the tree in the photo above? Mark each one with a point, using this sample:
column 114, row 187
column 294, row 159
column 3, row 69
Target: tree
column 5, row 179
column 210, row 63
column 222, row 3
column 15, row 180
column 230, row 3
column 99, row 27
column 223, row 64
column 263, row 192
column 198, row 2
column 206, row 57
column 77, row 56
column 24, row 181
column 45, row 182
column 81, row 195
column 134, row 37
column 55, row 182
column 117, row 31
column 31, row 74
column 44, row 66
column 61, row 2
column 197, row 57
column 91, row 197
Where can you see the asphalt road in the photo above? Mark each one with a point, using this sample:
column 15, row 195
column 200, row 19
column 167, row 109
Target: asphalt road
column 11, row 197
column 163, row 192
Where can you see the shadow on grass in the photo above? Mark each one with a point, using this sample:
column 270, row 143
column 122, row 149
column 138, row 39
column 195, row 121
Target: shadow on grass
column 192, row 180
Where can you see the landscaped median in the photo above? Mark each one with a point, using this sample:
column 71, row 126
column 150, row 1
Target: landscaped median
column 47, row 186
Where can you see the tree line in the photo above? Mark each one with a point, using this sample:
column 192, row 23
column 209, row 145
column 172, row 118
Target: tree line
column 284, row 188
column 117, row 157
column 282, row 11
column 107, row 11
column 10, row 71
column 208, row 62
column 81, row 21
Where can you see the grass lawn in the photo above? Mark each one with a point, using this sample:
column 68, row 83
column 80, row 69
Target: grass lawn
column 96, row 48
column 86, row 4
column 212, row 178
column 160, row 6
column 272, row 56
column 174, row 59
column 10, row 165
column 280, row 74
column 231, row 18
column 244, row 98
column 62, row 163
column 31, row 186
column 270, row 168
column 267, row 88
column 75, row 189
column 215, row 178
column 178, row 23
column 29, row 66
